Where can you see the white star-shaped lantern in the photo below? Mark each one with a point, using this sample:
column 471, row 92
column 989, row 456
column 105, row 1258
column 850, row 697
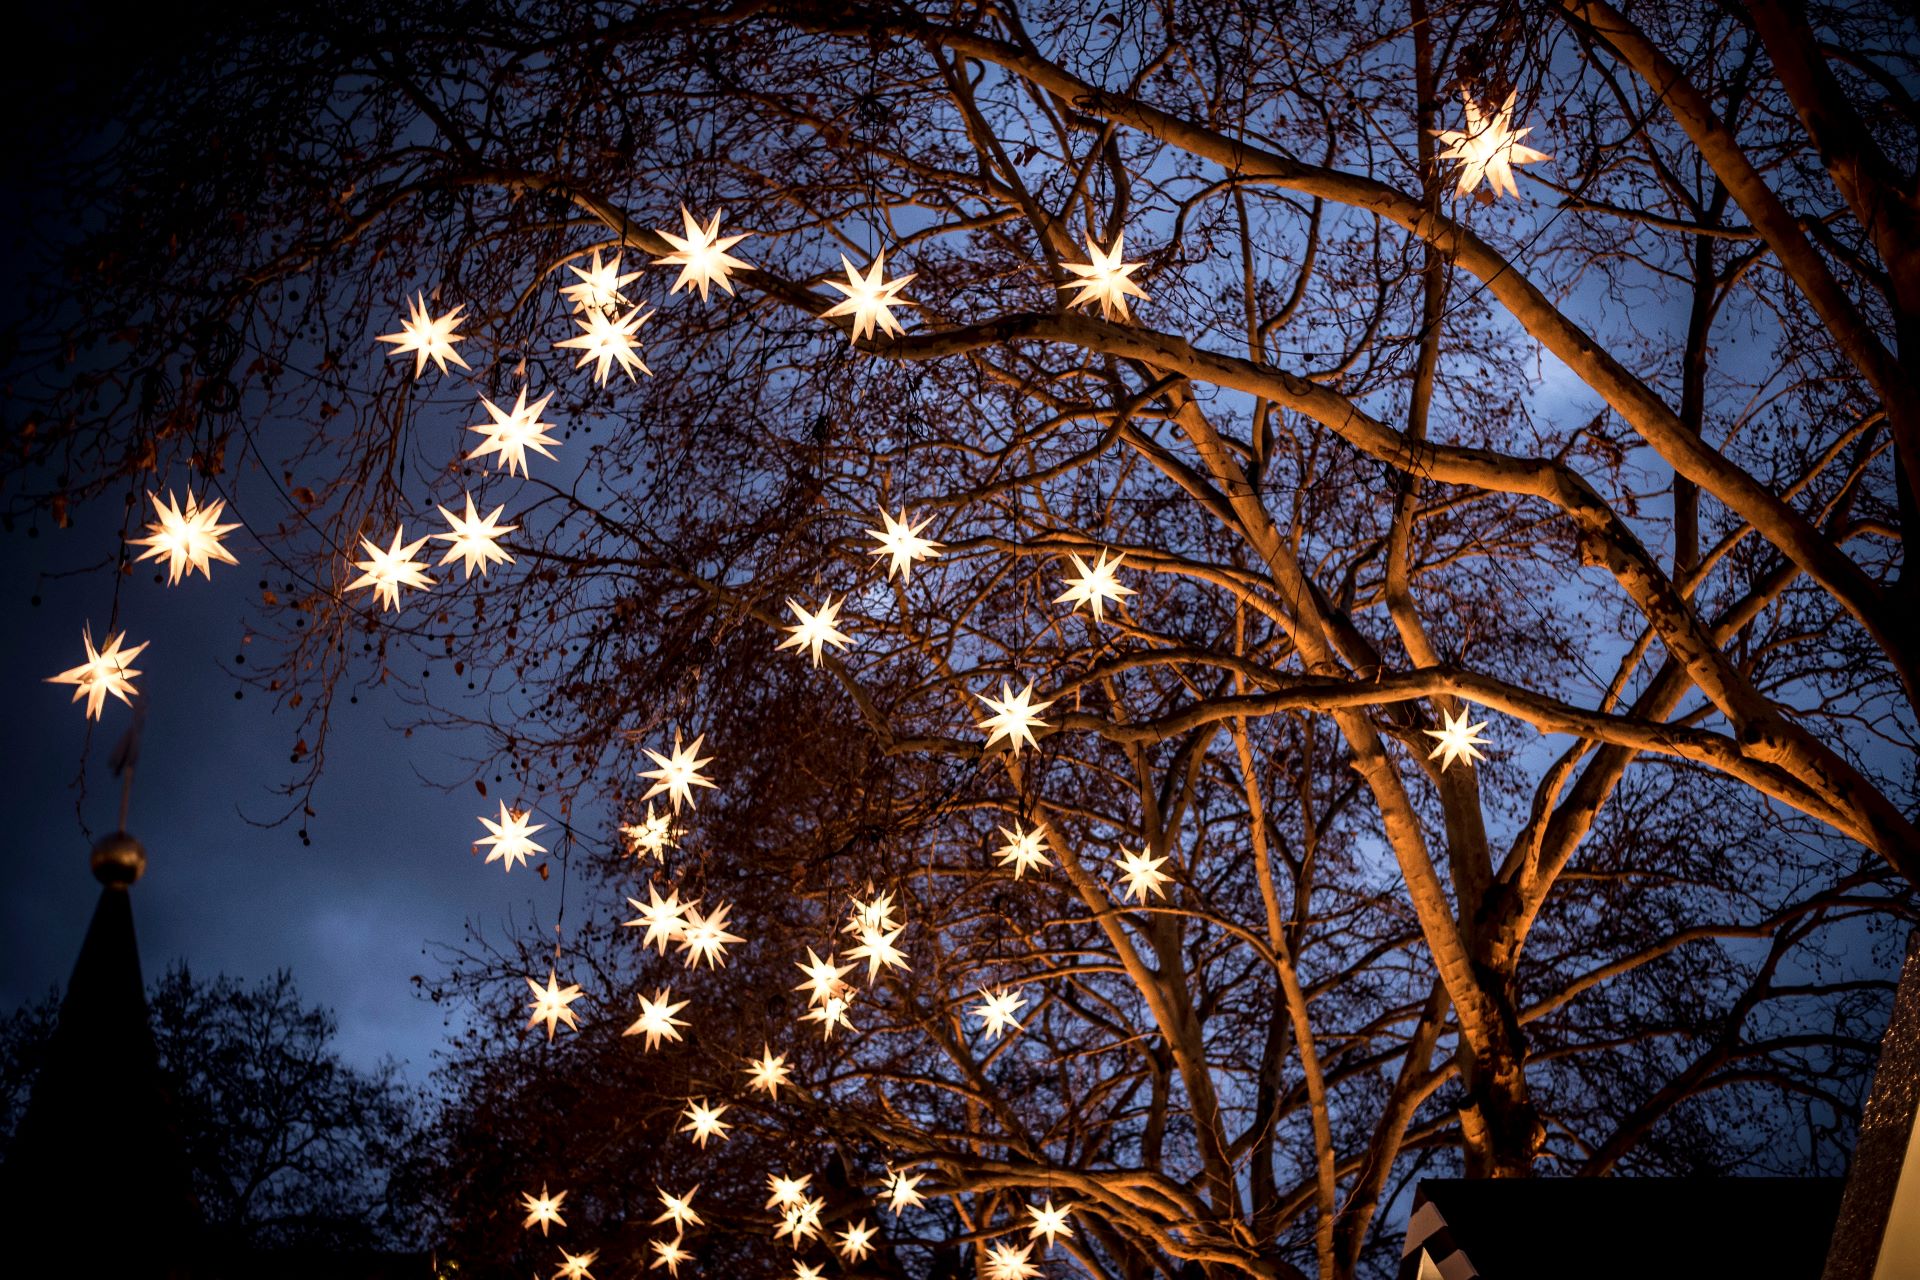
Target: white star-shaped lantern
column 703, row 1121
column 1457, row 740
column 831, row 1013
column 1487, row 148
column 816, row 628
column 801, row 1271
column 514, row 431
column 787, row 1192
column 901, row 1191
column 511, row 837
column 656, row 1021
column 679, row 773
column 877, row 948
column 678, row 1210
column 653, row 834
column 608, row 339
column 543, row 1210
column 1009, row 1262
column 1015, row 716
column 389, row 570
column 1094, row 586
column 901, row 543
column 701, row 254
column 427, row 337
column 1105, row 280
column 1025, row 850
column 875, row 913
column 187, row 540
column 869, row 299
column 768, row 1072
column 668, row 1254
column 1049, row 1222
column 997, row 1011
column 600, row 285
column 107, row 670
column 825, row 979
column 574, row 1266
column 801, row 1220
column 856, row 1241
column 664, row 919
column 473, row 541
column 550, row 1004
column 1141, row 872
column 705, row 937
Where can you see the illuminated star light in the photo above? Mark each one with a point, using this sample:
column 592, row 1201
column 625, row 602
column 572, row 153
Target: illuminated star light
column 388, row 571
column 668, row 1254
column 1049, row 1221
column 816, row 629
column 769, row 1072
column 1105, row 280
column 679, row 774
column 856, row 1242
column 1458, row 740
column 609, row 340
column 876, row 914
column 787, row 1192
column 543, row 1209
column 1015, row 716
column 187, row 540
column 1142, row 873
column 1024, row 850
column 877, row 949
column 679, row 1210
column 106, row 671
column 801, row 1271
column 1487, row 148
column 573, row 1266
column 656, row 1021
column 900, row 540
column 600, row 285
column 869, row 300
column 703, row 1121
column 512, row 837
column 428, row 338
column 901, row 1194
column 1009, row 1262
column 653, row 834
column 475, row 542
column 801, row 1221
column 1095, row 586
column 831, row 1013
column 997, row 1011
column 664, row 919
column 824, row 978
column 550, row 1004
column 701, row 255
column 513, row 432
column 705, row 937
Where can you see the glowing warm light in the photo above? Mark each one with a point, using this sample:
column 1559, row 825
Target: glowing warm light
column 1049, row 1222
column 106, row 671
column 543, row 1210
column 668, row 1254
column 514, row 431
column 573, row 1266
column 705, row 937
column 1142, row 874
column 1015, row 716
column 607, row 340
column 701, row 255
column 679, row 773
column 901, row 1193
column 388, row 571
column 801, row 1220
column 1105, row 280
column 801, row 1271
column 1024, row 850
column 703, row 1121
column 550, row 1004
column 997, row 1011
column 475, row 542
column 901, row 543
column 600, row 285
column 1094, row 586
column 816, row 629
column 876, row 913
column 831, row 1013
column 679, row 1211
column 1457, row 740
column 512, row 837
column 653, row 834
column 1009, row 1262
column 656, row 1021
column 769, row 1072
column 664, row 919
column 877, row 949
column 869, row 300
column 856, row 1242
column 824, row 978
column 787, row 1192
column 1487, row 148
column 427, row 338
column 187, row 540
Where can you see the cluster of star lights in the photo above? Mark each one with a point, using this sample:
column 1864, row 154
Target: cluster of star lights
column 187, row 538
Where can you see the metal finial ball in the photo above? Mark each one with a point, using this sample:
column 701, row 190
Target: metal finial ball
column 118, row 860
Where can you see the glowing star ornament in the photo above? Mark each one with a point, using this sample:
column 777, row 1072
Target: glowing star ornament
column 679, row 773
column 600, row 285
column 187, row 540
column 668, row 1254
column 1094, row 586
column 787, row 1192
column 664, row 919
column 768, row 1072
column 801, row 1220
column 543, row 1210
column 1105, row 280
column 1142, row 874
column 512, row 432
column 877, row 949
column 876, row 913
column 825, row 979
column 475, row 542
column 107, row 670
column 427, row 337
column 679, row 1211
column 653, row 834
column 1009, row 1262
column 1049, row 1222
column 608, row 340
column 856, row 1242
column 1487, row 148
column 831, row 1013
column 701, row 254
column 388, row 571
column 901, row 1193
column 801, row 1271
column 816, row 629
column 1024, row 850
column 656, row 1021
column 574, row 1266
column 1457, row 740
column 703, row 1121
column 869, row 300
column 1015, row 716
column 705, row 937
column 901, row 543
column 512, row 837
column 997, row 1011
column 550, row 1003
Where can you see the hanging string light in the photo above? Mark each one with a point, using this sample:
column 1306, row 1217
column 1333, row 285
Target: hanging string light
column 107, row 670
column 189, row 541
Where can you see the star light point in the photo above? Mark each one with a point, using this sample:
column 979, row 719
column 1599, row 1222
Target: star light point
column 701, row 254
column 1105, row 280
column 816, row 629
column 901, row 1193
column 653, row 834
column 679, row 773
column 1049, row 1222
column 473, row 541
column 664, row 919
column 1009, row 1262
column 1015, row 716
column 574, row 1266
column 550, row 1003
column 427, row 337
column 768, row 1072
column 607, row 340
column 703, row 1121
column 1457, row 740
column 705, row 937
column 869, row 299
column 856, row 1241
column 998, row 1010
column 189, row 541
column 512, row 432
column 656, row 1021
column 389, row 570
column 1024, row 850
column 107, row 670
column 543, row 1210
column 901, row 542
column 1094, row 586
column 1487, row 148
column 1141, row 872
column 511, row 837
column 600, row 285
column 678, row 1210
column 668, row 1254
